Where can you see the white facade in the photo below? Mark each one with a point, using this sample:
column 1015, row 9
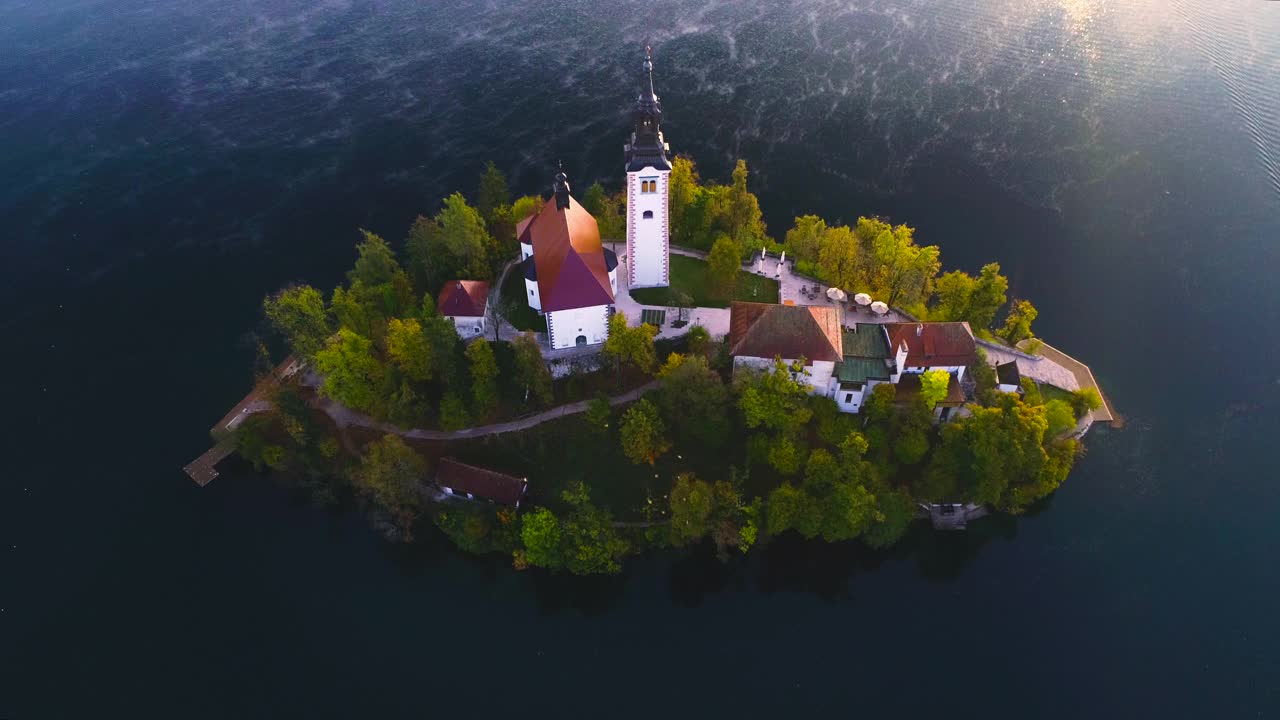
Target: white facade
column 648, row 228
column 578, row 326
column 531, row 294
column 957, row 370
column 818, row 374
column 467, row 326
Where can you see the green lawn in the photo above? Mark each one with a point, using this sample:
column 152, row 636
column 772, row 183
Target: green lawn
column 514, row 294
column 689, row 275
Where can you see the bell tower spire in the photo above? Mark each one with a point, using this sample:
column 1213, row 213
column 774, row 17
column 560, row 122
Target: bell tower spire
column 648, row 172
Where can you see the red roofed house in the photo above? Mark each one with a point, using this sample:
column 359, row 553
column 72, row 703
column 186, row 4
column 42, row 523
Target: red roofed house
column 946, row 345
column 477, row 483
column 464, row 302
column 569, row 275
column 760, row 332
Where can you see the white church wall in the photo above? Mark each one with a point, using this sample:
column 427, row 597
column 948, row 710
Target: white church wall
column 565, row 326
column 531, row 293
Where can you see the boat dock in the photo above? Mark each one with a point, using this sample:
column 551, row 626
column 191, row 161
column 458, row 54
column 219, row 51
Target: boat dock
column 204, row 468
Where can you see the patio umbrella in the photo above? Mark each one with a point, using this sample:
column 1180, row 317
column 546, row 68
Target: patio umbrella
column 836, row 294
column 862, row 299
column 879, row 308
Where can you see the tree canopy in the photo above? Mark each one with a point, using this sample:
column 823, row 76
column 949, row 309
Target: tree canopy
column 298, row 313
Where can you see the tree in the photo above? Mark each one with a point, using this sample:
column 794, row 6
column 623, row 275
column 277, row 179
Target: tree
column 692, row 501
column 408, row 348
column 352, row 374
column 683, row 191
column 376, row 263
column 464, row 239
column 933, row 387
column 644, row 435
column 744, row 222
column 630, row 346
column 1060, row 417
column 540, row 535
column 531, row 370
column 1084, row 400
column 526, row 206
column 785, row 455
column 607, row 210
column 723, row 265
column 900, row 272
column 911, row 432
column 895, row 510
column 775, row 399
column 840, row 260
column 484, row 376
column 791, row 508
column 694, row 401
column 493, row 194
column 428, row 269
column 989, row 295
column 390, row 472
column 298, row 313
column 805, row 238
column 1017, row 325
column 699, row 340
column 589, row 542
column 453, row 412
column 954, row 293
column 985, row 455
column 599, row 412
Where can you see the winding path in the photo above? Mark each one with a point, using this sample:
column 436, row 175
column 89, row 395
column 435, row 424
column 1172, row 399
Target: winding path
column 346, row 417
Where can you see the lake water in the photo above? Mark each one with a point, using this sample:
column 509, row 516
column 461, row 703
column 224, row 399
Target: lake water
column 163, row 165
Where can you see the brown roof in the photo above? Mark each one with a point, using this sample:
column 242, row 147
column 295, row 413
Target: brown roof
column 572, row 272
column 909, row 389
column 463, row 298
column 934, row 344
column 787, row 331
column 482, row 483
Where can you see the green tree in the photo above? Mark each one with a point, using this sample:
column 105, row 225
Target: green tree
column 428, row 269
column 298, row 313
column 484, row 377
column 353, row 375
column 599, row 412
column 694, row 401
column 531, row 370
column 590, row 544
column 390, row 472
column 631, row 346
column 699, row 340
column 464, row 239
column 683, row 190
column 785, row 455
column 743, row 220
column 493, row 195
column 408, row 348
column 1060, row 418
column 989, row 295
column 805, row 238
column 644, row 435
column 911, row 432
column 692, row 501
column 526, row 206
column 1085, row 400
column 900, row 272
column 453, row 412
column 540, row 535
column 896, row 510
column 775, row 399
column 607, row 210
column 933, row 387
column 982, row 456
column 954, row 294
column 791, row 508
column 723, row 265
column 1017, row 325
column 376, row 263
column 840, row 259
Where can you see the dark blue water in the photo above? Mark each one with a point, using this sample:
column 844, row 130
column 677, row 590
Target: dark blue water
column 165, row 164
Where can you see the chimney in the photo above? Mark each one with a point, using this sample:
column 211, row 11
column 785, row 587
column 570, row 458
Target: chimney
column 919, row 329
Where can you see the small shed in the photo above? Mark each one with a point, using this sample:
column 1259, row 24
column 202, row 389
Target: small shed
column 466, row 303
column 1008, row 378
column 477, row 483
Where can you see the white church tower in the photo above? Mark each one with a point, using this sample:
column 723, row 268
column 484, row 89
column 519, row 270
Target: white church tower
column 648, row 202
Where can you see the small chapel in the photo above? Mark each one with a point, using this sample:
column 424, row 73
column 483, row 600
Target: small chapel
column 570, row 277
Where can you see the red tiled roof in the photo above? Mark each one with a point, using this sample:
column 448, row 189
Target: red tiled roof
column 788, row 331
column 463, row 298
column 934, row 344
column 488, row 484
column 572, row 272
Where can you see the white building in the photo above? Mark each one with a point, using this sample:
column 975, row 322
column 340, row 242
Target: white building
column 648, row 202
column 465, row 302
column 759, row 333
column 569, row 276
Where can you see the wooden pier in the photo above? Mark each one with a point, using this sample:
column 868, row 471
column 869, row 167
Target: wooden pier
column 204, row 468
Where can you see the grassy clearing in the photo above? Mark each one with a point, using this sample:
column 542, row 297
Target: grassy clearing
column 689, row 276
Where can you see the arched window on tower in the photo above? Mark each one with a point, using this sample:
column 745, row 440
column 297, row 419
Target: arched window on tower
column 648, row 214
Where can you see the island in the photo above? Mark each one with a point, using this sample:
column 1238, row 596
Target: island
column 569, row 382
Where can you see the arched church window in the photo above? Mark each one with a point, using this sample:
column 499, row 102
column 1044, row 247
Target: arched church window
column 648, row 214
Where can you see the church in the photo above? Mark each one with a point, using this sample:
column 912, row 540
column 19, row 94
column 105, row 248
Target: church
column 570, row 277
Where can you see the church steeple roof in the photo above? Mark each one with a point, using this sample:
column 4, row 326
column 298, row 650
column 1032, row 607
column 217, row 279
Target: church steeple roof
column 647, row 147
